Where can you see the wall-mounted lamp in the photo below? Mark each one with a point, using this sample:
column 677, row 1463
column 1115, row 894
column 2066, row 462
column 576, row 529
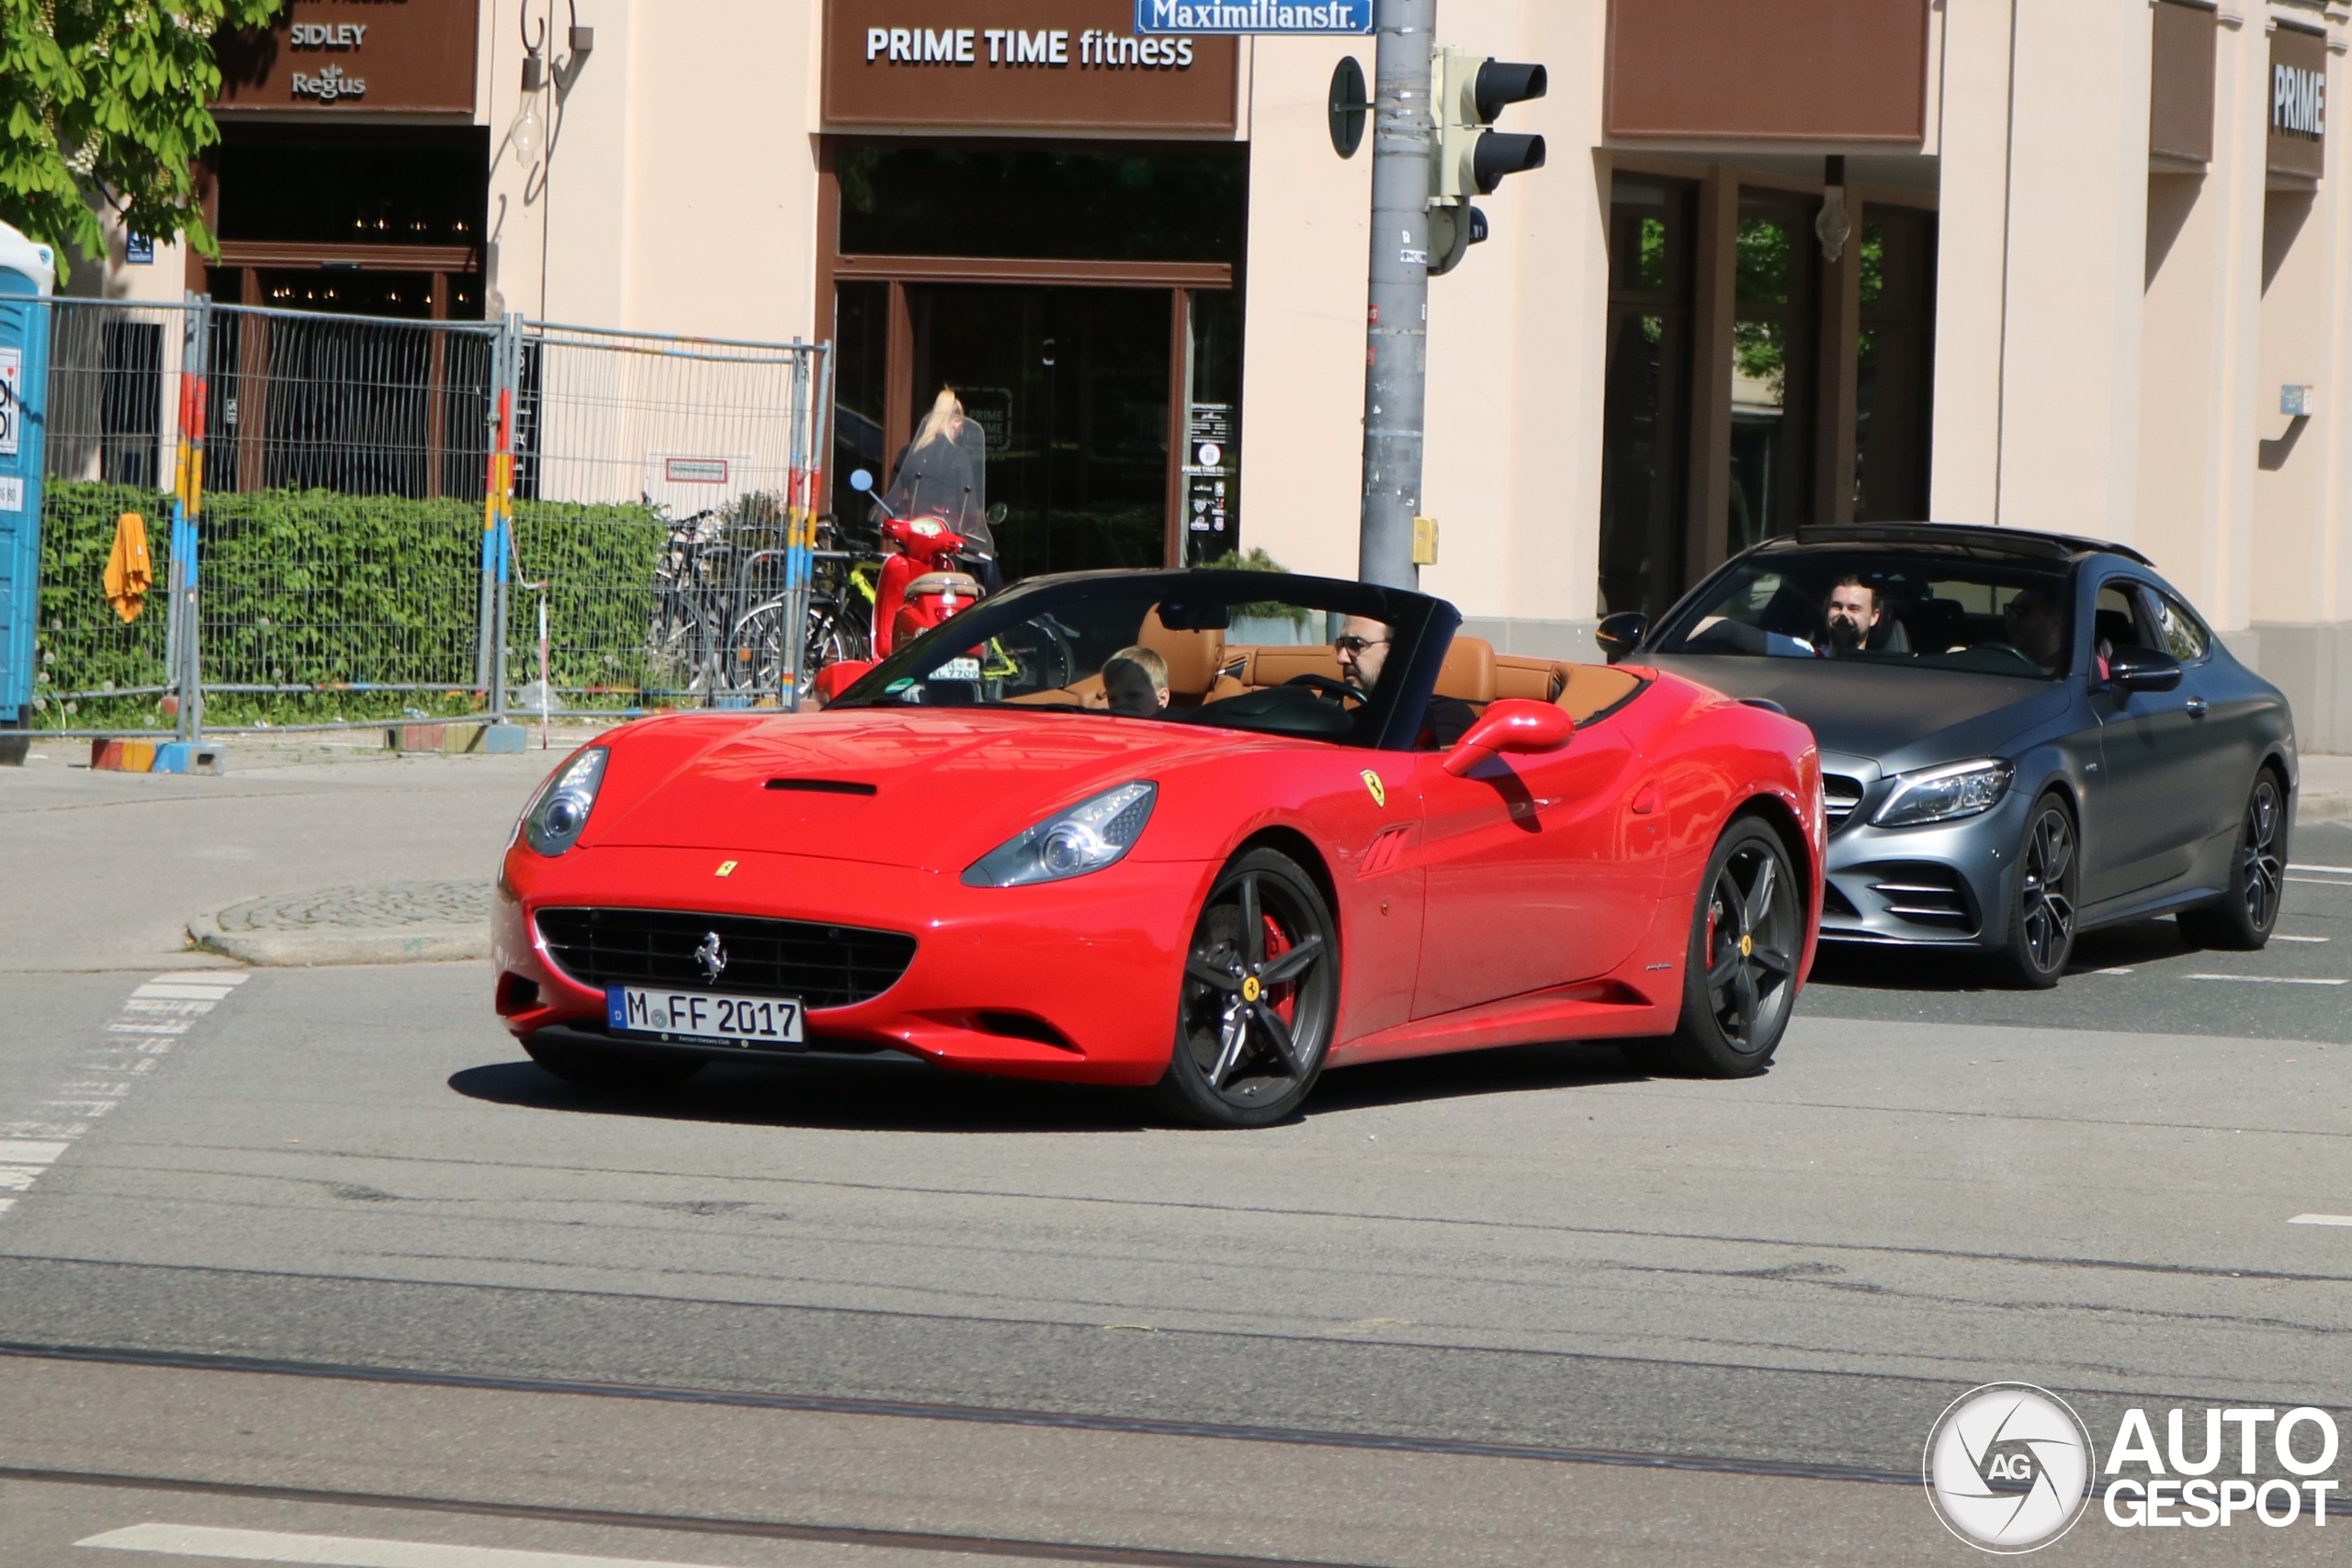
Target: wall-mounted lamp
column 1832, row 225
column 528, row 133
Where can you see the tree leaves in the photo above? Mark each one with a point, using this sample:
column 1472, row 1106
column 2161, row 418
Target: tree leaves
column 107, row 102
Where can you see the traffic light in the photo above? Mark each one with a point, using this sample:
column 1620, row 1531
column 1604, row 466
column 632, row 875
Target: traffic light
column 1468, row 92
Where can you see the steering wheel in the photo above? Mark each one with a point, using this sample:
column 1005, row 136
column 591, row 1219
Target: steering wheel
column 1323, row 686
column 2021, row 655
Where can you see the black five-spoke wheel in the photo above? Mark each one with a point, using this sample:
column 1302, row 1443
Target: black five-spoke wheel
column 1260, row 995
column 2248, row 912
column 2042, row 910
column 1747, row 938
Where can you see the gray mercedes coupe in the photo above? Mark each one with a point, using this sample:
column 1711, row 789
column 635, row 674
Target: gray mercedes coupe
column 2022, row 735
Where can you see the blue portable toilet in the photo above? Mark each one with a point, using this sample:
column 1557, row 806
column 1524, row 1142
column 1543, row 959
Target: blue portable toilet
column 26, row 271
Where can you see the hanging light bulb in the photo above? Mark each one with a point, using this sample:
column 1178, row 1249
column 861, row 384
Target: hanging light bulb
column 529, row 135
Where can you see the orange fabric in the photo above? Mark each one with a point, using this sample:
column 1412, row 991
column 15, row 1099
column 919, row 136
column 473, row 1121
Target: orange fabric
column 129, row 573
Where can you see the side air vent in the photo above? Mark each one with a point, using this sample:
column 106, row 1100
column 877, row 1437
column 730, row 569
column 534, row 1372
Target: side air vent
column 1925, row 895
column 1840, row 796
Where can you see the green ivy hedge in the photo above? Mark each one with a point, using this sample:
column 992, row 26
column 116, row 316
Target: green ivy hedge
column 314, row 587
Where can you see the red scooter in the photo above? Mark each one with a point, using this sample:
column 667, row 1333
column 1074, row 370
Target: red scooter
column 919, row 588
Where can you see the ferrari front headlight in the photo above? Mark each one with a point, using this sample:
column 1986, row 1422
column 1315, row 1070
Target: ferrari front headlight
column 554, row 821
column 1088, row 836
column 1944, row 795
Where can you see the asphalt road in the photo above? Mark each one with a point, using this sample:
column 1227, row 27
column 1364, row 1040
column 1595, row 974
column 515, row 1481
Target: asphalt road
column 332, row 1262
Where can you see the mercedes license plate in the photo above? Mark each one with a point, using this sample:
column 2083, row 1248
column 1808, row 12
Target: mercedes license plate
column 703, row 1017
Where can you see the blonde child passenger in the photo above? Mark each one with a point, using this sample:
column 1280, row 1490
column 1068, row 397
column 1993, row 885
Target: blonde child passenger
column 1135, row 683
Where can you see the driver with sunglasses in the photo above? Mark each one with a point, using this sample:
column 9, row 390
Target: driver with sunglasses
column 1362, row 646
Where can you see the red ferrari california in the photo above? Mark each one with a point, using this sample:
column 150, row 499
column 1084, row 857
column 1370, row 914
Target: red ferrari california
column 1212, row 831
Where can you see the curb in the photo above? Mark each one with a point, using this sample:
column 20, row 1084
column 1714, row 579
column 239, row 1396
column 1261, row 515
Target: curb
column 2314, row 808
column 335, row 946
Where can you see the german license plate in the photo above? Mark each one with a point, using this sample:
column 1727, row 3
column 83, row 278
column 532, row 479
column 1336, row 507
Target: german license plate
column 703, row 1016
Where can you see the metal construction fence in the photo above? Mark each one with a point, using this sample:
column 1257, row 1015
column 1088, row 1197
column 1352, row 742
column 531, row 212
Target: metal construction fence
column 358, row 519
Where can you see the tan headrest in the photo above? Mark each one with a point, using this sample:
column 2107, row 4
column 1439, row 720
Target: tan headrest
column 1192, row 656
column 1468, row 672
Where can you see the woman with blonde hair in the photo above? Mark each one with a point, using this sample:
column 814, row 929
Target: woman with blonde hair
column 940, row 474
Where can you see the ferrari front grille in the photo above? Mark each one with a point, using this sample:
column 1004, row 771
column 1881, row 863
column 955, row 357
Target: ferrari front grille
column 824, row 966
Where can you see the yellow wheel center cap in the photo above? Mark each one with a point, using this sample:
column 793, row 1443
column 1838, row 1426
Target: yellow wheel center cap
column 1250, row 989
column 1748, row 947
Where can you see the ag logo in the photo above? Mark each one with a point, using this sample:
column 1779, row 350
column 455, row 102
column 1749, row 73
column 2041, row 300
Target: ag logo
column 2007, row 1467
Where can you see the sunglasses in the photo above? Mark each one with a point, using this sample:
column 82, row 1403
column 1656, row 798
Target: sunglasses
column 1358, row 644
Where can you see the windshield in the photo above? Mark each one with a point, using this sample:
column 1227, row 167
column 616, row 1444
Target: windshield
column 1929, row 608
column 1307, row 657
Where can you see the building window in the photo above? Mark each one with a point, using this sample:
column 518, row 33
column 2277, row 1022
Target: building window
column 1895, row 373
column 1775, row 333
column 1079, row 299
column 1643, row 425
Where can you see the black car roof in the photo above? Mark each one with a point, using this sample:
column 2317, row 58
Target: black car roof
column 2005, row 541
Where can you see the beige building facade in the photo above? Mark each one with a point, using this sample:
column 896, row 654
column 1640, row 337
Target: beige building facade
column 2084, row 267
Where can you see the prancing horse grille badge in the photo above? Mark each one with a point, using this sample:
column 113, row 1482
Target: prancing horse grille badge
column 712, row 957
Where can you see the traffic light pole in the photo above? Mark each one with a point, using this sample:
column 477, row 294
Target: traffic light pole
column 1397, row 362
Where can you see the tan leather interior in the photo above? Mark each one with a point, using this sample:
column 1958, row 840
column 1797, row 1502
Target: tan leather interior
column 1590, row 688
column 1202, row 667
column 1525, row 676
column 1194, row 658
column 1272, row 666
column 1468, row 672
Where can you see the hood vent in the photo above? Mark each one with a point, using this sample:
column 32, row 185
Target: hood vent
column 823, row 786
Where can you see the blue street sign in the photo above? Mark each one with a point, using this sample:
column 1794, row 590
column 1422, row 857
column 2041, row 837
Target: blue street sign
column 1253, row 17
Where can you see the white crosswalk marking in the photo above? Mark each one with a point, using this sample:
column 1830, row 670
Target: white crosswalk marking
column 152, row 1018
column 343, row 1551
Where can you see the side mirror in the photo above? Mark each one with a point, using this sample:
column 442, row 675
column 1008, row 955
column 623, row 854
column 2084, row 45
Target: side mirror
column 860, row 480
column 1514, row 723
column 1622, row 633
column 997, row 514
column 2143, row 670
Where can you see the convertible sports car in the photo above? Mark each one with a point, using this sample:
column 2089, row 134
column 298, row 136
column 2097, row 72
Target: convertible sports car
column 1207, row 830
column 2023, row 735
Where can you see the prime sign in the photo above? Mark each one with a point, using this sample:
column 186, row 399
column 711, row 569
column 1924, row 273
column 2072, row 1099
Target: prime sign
column 2298, row 101
column 1252, row 16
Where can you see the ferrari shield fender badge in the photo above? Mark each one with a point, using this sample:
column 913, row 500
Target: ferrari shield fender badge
column 726, row 868
column 1379, row 791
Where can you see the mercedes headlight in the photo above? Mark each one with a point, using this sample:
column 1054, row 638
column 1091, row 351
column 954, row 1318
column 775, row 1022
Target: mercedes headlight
column 1086, row 837
column 553, row 822
column 1944, row 795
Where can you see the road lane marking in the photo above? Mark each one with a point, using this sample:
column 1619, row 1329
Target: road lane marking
column 2339, row 870
column 2321, row 1220
column 2268, row 979
column 2317, row 881
column 2283, row 936
column 344, row 1552
column 151, row 1018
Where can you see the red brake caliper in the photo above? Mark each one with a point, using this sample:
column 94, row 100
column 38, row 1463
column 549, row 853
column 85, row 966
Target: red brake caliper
column 1283, row 998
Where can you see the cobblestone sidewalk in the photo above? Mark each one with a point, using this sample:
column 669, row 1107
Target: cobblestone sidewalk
column 393, row 923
